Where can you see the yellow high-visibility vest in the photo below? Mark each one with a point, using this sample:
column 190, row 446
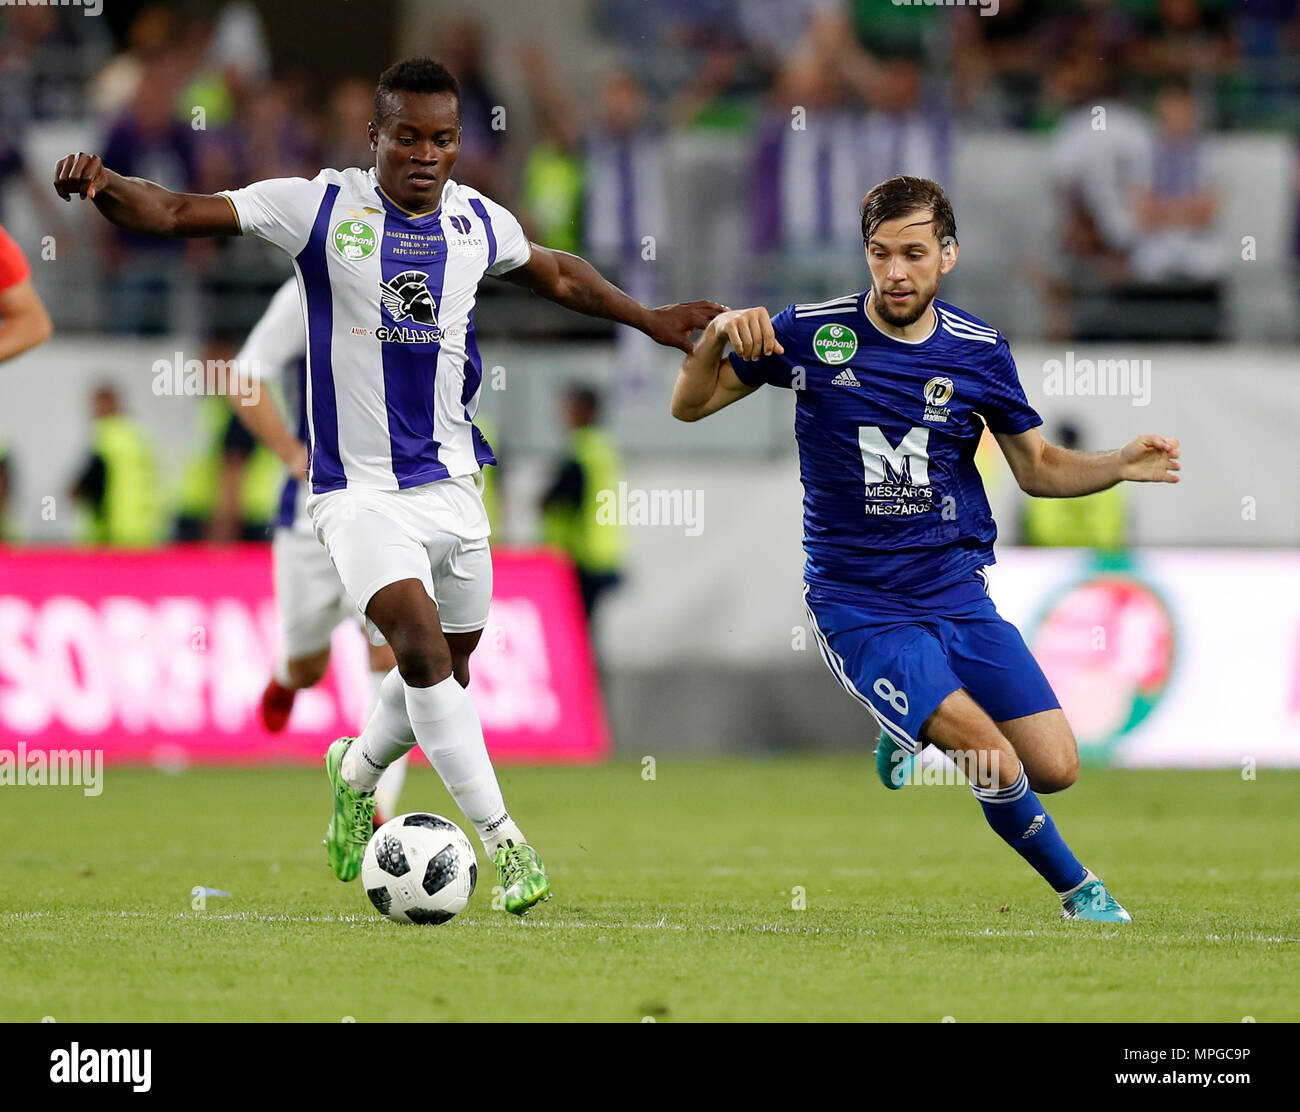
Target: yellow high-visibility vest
column 131, row 513
column 1097, row 520
column 596, row 541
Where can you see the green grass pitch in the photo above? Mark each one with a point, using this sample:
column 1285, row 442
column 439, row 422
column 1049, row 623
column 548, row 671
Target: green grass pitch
column 674, row 900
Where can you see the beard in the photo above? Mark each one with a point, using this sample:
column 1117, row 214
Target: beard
column 901, row 317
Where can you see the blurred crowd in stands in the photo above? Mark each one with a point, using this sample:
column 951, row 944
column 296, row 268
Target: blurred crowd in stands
column 812, row 101
column 826, row 98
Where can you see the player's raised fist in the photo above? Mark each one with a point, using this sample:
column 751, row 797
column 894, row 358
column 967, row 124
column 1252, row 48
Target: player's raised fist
column 750, row 332
column 1150, row 459
column 80, row 174
column 672, row 325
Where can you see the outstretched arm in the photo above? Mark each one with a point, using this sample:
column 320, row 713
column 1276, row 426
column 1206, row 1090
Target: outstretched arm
column 707, row 382
column 576, row 284
column 1047, row 471
column 24, row 323
column 137, row 205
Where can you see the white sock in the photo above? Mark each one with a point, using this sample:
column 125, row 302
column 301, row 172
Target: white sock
column 390, row 787
column 393, row 777
column 387, row 736
column 376, row 688
column 447, row 728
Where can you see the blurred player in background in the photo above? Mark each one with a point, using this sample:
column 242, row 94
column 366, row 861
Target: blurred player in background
column 388, row 262
column 893, row 389
column 24, row 323
column 309, row 597
column 230, row 487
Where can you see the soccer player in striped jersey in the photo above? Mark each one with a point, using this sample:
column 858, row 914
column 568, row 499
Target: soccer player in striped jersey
column 893, row 389
column 388, row 262
column 309, row 597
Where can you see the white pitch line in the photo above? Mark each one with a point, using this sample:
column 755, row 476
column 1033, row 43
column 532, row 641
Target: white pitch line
column 661, row 924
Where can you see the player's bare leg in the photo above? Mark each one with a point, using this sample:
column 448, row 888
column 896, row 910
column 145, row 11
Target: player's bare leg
column 425, row 702
column 1045, row 745
column 290, row 677
column 1000, row 781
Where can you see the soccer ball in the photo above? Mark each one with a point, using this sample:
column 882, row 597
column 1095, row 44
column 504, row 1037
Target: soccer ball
column 419, row 868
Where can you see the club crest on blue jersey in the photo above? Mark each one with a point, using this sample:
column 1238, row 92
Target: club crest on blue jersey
column 938, row 393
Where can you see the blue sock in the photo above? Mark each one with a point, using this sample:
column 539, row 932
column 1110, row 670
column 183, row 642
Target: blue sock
column 1021, row 821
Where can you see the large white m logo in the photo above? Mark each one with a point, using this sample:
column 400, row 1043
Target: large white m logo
column 907, row 464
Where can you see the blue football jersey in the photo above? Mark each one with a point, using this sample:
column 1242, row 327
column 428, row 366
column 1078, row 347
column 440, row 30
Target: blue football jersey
column 887, row 431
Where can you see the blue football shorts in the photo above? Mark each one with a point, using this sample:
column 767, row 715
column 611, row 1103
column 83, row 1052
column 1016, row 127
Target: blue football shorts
column 901, row 667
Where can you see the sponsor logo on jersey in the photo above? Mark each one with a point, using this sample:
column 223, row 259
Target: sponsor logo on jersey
column 354, row 239
column 897, row 475
column 464, row 242
column 835, row 343
column 846, row 378
column 937, row 394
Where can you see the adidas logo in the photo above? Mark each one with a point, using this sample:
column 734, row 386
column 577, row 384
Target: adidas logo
column 1034, row 827
column 845, row 378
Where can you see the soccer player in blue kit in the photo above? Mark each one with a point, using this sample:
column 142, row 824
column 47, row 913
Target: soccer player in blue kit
column 893, row 389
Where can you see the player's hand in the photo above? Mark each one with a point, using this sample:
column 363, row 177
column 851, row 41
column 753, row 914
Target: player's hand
column 672, row 325
column 298, row 461
column 1150, row 459
column 750, row 332
column 82, row 175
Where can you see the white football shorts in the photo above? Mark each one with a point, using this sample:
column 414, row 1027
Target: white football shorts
column 436, row 533
column 308, row 594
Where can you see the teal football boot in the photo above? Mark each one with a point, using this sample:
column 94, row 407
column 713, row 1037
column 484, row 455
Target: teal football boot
column 1092, row 902
column 893, row 762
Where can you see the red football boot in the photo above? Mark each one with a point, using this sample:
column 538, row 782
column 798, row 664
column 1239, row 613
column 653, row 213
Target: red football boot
column 277, row 702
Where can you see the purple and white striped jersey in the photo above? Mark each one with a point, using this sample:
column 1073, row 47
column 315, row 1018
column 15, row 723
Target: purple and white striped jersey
column 393, row 368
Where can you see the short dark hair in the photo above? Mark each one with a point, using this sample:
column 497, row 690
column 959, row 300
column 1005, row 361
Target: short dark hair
column 898, row 196
column 411, row 75
column 583, row 395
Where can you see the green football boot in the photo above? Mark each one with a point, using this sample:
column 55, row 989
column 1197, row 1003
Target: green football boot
column 521, row 876
column 353, row 821
column 1092, row 902
column 893, row 762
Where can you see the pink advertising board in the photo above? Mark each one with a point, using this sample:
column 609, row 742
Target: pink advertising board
column 162, row 656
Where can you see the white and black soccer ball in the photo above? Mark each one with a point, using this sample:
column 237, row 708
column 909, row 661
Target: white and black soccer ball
column 419, row 868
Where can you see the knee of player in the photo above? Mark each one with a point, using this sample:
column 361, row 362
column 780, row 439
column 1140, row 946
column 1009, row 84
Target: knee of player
column 423, row 661
column 1059, row 778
